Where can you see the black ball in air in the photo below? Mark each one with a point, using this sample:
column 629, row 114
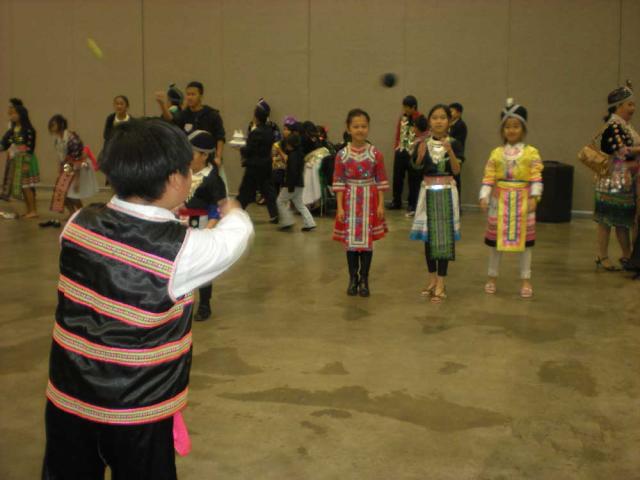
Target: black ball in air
column 389, row 80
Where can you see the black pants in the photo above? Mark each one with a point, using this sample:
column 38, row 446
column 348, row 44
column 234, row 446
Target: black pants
column 440, row 266
column 205, row 295
column 78, row 449
column 415, row 180
column 400, row 168
column 359, row 263
column 255, row 179
column 278, row 177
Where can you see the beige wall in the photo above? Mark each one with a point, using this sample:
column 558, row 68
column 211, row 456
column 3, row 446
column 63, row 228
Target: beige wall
column 317, row 59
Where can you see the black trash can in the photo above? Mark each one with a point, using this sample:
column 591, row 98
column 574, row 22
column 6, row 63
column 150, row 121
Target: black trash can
column 555, row 205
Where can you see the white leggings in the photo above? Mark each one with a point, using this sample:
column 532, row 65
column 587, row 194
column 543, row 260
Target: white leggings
column 525, row 263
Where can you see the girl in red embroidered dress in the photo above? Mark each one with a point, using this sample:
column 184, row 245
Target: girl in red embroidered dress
column 359, row 182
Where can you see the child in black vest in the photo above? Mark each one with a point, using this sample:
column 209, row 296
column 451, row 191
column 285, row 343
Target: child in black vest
column 121, row 351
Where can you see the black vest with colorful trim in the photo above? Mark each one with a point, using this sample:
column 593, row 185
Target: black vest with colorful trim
column 121, row 349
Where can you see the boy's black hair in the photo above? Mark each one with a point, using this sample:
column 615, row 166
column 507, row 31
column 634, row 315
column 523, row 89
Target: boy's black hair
column 410, row 101
column 142, row 154
column 294, row 127
column 457, row 106
column 260, row 115
column 59, row 121
column 197, row 85
column 292, row 141
column 422, row 123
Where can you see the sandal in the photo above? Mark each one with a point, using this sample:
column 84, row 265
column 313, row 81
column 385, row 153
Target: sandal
column 490, row 288
column 607, row 268
column 428, row 291
column 526, row 292
column 438, row 297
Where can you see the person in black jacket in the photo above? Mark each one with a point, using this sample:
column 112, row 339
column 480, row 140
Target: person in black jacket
column 120, row 114
column 196, row 116
column 256, row 159
column 294, row 184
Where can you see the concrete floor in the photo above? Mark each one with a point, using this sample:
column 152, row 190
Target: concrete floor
column 292, row 379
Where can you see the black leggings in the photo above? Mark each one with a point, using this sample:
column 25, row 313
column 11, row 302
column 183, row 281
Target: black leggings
column 359, row 262
column 441, row 266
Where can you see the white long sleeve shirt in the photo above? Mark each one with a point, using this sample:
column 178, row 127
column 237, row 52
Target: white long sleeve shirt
column 205, row 253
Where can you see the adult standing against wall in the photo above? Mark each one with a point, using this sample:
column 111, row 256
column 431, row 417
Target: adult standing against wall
column 402, row 147
column 615, row 193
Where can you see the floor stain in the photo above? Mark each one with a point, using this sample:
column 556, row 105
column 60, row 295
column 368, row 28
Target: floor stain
column 526, row 327
column 202, row 382
column 450, row 368
column 581, row 437
column 303, row 452
column 334, row 368
column 431, row 326
column 570, row 374
column 332, row 412
column 354, row 314
column 223, row 361
column 317, row 429
column 434, row 414
column 24, row 356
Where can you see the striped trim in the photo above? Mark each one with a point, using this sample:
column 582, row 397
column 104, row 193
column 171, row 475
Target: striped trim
column 118, row 251
column 123, row 356
column 361, row 181
column 129, row 416
column 358, row 233
column 120, row 311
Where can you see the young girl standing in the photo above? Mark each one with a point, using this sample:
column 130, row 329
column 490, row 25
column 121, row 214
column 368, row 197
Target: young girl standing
column 120, row 114
column 511, row 189
column 437, row 217
column 201, row 207
column 22, row 173
column 76, row 179
column 359, row 181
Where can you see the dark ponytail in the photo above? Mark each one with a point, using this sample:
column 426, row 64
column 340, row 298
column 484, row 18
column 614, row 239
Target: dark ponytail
column 610, row 111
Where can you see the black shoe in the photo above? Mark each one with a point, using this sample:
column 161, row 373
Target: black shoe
column 273, row 220
column 203, row 313
column 308, row 229
column 364, row 287
column 394, row 206
column 352, row 289
column 626, row 265
column 50, row 223
column 286, row 228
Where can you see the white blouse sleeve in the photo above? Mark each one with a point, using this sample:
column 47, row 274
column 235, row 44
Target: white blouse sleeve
column 208, row 253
